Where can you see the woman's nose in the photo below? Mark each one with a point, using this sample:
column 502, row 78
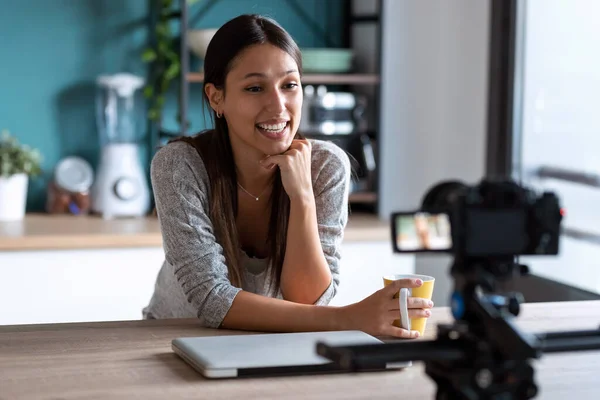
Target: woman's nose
column 276, row 101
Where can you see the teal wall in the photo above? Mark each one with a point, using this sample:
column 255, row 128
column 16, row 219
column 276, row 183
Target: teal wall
column 51, row 52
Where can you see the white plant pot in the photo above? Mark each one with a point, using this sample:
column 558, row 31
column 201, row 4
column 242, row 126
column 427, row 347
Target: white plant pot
column 13, row 197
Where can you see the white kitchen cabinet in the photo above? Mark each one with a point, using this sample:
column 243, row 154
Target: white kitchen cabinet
column 363, row 266
column 76, row 285
column 115, row 284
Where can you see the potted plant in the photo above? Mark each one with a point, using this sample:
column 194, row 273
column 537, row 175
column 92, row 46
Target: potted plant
column 17, row 163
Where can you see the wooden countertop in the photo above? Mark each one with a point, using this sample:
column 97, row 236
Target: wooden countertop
column 56, row 232
column 133, row 359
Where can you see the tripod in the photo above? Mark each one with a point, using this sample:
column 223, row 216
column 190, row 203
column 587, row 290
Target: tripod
column 482, row 355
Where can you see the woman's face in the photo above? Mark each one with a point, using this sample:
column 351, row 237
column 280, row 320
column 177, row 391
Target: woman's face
column 262, row 101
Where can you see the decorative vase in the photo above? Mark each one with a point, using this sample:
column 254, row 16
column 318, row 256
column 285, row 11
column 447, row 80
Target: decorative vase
column 13, row 197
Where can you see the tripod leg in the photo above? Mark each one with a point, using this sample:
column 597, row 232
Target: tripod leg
column 442, row 395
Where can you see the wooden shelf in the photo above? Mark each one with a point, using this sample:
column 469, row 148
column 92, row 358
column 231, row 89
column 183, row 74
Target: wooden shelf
column 363, row 197
column 332, row 79
column 341, row 79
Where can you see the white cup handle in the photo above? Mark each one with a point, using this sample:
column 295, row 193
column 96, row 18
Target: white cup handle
column 403, row 300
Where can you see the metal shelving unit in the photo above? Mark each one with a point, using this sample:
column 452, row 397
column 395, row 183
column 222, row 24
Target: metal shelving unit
column 315, row 79
column 367, row 200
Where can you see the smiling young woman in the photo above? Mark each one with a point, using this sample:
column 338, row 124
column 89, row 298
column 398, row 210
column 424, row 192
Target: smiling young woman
column 252, row 214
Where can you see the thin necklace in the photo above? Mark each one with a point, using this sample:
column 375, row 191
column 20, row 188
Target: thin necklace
column 251, row 195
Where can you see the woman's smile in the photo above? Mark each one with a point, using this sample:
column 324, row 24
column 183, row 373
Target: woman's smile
column 274, row 129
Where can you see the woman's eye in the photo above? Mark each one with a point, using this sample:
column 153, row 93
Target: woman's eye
column 291, row 86
column 253, row 89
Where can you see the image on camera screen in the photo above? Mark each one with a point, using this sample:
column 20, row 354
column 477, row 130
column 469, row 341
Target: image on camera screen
column 423, row 231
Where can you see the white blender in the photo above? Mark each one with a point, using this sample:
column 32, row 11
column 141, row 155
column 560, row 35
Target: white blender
column 121, row 188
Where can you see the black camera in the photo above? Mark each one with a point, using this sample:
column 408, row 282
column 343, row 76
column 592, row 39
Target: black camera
column 485, row 227
column 491, row 219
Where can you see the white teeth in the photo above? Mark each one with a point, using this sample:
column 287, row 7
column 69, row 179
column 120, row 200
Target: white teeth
column 273, row 127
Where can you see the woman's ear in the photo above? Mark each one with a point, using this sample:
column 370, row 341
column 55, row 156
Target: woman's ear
column 215, row 97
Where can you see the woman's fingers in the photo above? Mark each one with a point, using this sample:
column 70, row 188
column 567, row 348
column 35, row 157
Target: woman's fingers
column 279, row 160
column 412, row 313
column 395, row 286
column 413, row 302
column 417, row 302
column 401, row 333
column 300, row 144
column 418, row 313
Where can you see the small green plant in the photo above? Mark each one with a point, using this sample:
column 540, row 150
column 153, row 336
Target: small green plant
column 16, row 158
column 163, row 56
column 164, row 59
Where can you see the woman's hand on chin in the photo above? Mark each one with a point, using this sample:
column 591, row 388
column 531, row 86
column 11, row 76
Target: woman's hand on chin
column 295, row 167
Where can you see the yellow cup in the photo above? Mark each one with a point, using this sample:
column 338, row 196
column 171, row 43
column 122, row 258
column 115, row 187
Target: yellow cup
column 425, row 291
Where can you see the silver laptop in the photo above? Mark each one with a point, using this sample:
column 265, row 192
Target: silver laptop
column 268, row 354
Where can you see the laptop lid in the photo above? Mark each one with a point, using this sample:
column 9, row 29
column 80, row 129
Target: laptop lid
column 267, row 354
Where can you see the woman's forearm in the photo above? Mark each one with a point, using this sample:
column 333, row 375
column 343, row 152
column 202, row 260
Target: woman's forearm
column 305, row 274
column 254, row 312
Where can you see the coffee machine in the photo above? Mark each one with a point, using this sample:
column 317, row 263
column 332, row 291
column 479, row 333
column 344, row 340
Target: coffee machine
column 332, row 113
column 121, row 188
column 340, row 117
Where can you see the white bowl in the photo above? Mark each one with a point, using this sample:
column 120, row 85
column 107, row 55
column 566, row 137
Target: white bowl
column 198, row 40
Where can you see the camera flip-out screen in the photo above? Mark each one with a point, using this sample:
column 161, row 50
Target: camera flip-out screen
column 421, row 231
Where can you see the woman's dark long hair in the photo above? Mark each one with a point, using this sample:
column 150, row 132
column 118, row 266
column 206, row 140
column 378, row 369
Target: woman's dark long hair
column 214, row 145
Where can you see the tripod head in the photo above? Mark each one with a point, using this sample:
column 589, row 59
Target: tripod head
column 482, row 354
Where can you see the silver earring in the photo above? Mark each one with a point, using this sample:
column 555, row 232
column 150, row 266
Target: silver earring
column 219, row 115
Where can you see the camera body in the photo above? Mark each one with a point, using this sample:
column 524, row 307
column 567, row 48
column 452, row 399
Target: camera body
column 493, row 219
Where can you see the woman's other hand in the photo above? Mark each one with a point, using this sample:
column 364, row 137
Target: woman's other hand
column 294, row 165
column 375, row 314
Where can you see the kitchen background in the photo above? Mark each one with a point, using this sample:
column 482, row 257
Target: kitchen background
column 428, row 121
column 53, row 51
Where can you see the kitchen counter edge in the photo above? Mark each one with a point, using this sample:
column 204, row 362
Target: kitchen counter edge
column 67, row 232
